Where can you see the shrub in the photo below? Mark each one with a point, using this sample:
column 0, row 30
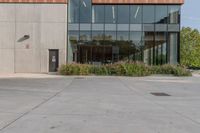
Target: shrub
column 171, row 69
column 123, row 69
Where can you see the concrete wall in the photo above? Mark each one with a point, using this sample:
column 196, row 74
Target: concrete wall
column 46, row 24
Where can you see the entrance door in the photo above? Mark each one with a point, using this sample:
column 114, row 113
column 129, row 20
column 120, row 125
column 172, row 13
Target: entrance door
column 53, row 60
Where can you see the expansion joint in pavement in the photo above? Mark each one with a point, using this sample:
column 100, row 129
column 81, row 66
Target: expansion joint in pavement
column 35, row 107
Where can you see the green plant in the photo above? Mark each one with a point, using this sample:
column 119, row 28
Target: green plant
column 123, row 69
column 171, row 69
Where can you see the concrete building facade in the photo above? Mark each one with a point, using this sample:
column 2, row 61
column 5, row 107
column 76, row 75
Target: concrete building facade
column 36, row 35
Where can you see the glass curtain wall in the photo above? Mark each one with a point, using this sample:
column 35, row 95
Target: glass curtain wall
column 103, row 34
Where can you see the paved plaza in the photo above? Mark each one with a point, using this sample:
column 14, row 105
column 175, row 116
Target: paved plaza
column 56, row 104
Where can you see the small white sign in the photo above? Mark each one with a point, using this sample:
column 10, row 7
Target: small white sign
column 53, row 58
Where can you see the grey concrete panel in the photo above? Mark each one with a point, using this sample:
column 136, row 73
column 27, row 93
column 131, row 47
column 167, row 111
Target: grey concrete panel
column 46, row 26
column 7, row 35
column 53, row 12
column 62, row 56
column 30, row 29
column 27, row 13
column 44, row 60
column 6, row 60
column 27, row 60
column 53, row 35
column 7, row 12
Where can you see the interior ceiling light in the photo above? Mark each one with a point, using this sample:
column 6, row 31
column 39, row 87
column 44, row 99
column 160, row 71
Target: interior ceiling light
column 84, row 3
column 136, row 13
column 113, row 11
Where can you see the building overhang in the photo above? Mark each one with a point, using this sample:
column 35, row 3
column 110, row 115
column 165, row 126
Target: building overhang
column 179, row 2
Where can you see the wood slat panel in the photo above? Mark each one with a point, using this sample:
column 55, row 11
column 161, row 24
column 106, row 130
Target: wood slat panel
column 137, row 1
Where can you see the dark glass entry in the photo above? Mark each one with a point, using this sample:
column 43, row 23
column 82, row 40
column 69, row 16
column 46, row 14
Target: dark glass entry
column 53, row 60
column 91, row 54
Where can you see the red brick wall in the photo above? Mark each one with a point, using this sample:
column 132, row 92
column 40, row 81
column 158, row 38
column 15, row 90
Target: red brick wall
column 33, row 1
column 100, row 1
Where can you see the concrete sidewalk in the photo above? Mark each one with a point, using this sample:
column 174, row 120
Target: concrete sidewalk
column 99, row 105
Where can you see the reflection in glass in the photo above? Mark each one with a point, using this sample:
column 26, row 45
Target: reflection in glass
column 110, row 36
column 123, row 14
column 123, row 45
column 72, row 45
column 136, row 46
column 85, row 37
column 97, row 14
column 148, row 14
column 111, row 52
column 173, row 47
column 100, row 34
column 136, row 14
column 160, row 48
column 85, row 11
column 110, row 14
column 148, row 47
column 97, row 37
column 161, row 14
column 174, row 13
column 73, row 11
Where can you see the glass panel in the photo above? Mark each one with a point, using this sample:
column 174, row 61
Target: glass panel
column 161, row 27
column 85, row 37
column 148, row 27
column 148, row 14
column 174, row 27
column 123, row 27
column 72, row 46
column 97, row 47
column 123, row 45
column 85, row 27
column 73, row 11
column 111, row 51
column 148, row 48
column 136, row 14
column 160, row 48
column 136, row 48
column 110, row 36
column 161, row 14
column 96, row 27
column 73, row 27
column 110, row 14
column 173, row 48
column 110, row 27
column 135, row 27
column 85, row 11
column 123, row 14
column 97, row 14
column 174, row 14
column 97, row 37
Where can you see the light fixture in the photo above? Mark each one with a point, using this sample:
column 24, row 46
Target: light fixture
column 113, row 11
column 84, row 3
column 25, row 37
column 136, row 13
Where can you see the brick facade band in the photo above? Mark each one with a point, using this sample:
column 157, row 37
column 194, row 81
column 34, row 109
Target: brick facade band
column 100, row 1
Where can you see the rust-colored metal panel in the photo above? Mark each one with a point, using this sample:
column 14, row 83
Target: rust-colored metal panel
column 34, row 1
column 137, row 1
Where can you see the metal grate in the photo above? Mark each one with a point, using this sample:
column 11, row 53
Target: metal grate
column 160, row 94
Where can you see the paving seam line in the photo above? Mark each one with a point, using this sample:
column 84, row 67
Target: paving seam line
column 37, row 106
column 149, row 100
